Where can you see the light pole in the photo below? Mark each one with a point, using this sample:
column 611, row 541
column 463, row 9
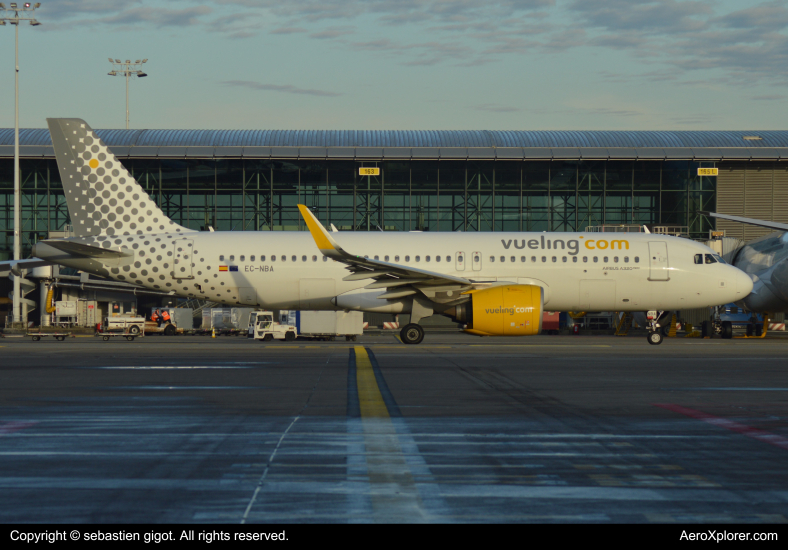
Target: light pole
column 15, row 19
column 127, row 69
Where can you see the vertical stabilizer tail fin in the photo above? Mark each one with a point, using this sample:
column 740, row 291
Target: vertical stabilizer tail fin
column 102, row 197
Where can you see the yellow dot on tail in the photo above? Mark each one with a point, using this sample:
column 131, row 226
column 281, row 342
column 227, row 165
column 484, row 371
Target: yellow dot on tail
column 93, row 163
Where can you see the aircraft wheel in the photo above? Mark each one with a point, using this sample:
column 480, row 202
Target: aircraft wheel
column 727, row 330
column 290, row 336
column 655, row 338
column 411, row 334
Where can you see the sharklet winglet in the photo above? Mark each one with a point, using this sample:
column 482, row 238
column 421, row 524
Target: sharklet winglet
column 325, row 243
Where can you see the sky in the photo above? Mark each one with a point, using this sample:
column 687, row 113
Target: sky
column 405, row 64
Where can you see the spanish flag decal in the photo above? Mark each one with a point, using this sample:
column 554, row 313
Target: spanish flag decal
column 222, row 268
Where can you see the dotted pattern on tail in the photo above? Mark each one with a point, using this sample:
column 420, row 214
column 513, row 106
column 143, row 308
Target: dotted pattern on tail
column 103, row 198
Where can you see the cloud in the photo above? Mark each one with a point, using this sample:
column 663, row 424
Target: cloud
column 769, row 97
column 691, row 36
column 495, row 108
column 158, row 17
column 333, row 32
column 279, row 88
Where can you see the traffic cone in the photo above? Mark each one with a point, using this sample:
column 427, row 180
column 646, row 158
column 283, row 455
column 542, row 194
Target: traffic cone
column 213, row 333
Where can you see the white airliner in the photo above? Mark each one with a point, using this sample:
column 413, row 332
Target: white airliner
column 493, row 283
column 765, row 259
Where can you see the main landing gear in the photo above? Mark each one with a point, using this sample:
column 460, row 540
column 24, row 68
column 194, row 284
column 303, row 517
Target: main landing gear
column 411, row 334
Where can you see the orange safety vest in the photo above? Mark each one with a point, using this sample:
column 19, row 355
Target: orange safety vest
column 165, row 315
column 154, row 317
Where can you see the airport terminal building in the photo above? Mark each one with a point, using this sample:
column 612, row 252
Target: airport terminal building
column 238, row 180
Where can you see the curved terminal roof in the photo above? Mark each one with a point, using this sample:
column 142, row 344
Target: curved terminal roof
column 439, row 144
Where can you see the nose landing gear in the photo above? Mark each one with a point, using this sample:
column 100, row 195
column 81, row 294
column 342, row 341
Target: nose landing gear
column 655, row 336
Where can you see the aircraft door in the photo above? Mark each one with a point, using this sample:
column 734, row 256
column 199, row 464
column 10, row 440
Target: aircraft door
column 182, row 260
column 460, row 261
column 658, row 261
column 477, row 261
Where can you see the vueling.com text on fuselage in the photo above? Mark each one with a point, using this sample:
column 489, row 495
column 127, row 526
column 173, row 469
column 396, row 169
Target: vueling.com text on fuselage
column 572, row 245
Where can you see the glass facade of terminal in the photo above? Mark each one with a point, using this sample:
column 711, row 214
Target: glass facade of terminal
column 261, row 195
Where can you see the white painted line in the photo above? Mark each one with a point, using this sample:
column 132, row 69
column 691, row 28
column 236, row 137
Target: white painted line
column 265, row 472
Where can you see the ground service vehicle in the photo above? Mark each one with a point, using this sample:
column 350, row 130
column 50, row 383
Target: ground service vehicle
column 266, row 329
column 122, row 323
column 325, row 325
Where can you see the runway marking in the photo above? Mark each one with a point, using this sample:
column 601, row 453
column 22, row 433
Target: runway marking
column 540, row 345
column 183, row 388
column 393, row 489
column 11, row 427
column 400, row 486
column 729, row 389
column 749, row 431
column 265, row 472
column 182, row 367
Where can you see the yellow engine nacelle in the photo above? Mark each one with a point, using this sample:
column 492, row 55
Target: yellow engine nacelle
column 506, row 310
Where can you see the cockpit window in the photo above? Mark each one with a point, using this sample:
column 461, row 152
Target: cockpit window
column 698, row 258
column 710, row 259
column 719, row 259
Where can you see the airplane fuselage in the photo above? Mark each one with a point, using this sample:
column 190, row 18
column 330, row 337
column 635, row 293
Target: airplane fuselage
column 578, row 271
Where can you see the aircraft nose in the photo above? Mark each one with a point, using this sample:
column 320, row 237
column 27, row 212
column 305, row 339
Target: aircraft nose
column 743, row 283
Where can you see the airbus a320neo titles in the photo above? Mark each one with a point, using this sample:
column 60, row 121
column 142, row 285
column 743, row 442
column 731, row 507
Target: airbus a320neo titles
column 492, row 283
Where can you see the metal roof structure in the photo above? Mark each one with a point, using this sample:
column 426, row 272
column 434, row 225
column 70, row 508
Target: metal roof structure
column 423, row 144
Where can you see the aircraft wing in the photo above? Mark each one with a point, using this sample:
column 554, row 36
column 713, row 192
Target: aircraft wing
column 771, row 225
column 399, row 280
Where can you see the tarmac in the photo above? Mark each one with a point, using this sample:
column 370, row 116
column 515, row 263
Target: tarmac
column 459, row 429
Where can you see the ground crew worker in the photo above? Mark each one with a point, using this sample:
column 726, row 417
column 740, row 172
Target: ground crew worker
column 156, row 317
column 165, row 316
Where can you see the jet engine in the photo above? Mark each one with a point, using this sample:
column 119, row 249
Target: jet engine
column 505, row 310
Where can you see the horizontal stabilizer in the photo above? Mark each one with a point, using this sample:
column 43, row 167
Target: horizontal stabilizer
column 86, row 250
column 16, row 265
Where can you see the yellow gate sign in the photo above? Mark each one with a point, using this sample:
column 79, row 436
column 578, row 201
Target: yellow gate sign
column 708, row 171
column 369, row 171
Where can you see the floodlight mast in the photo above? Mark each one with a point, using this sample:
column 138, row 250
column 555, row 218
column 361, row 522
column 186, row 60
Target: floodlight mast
column 6, row 17
column 127, row 69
